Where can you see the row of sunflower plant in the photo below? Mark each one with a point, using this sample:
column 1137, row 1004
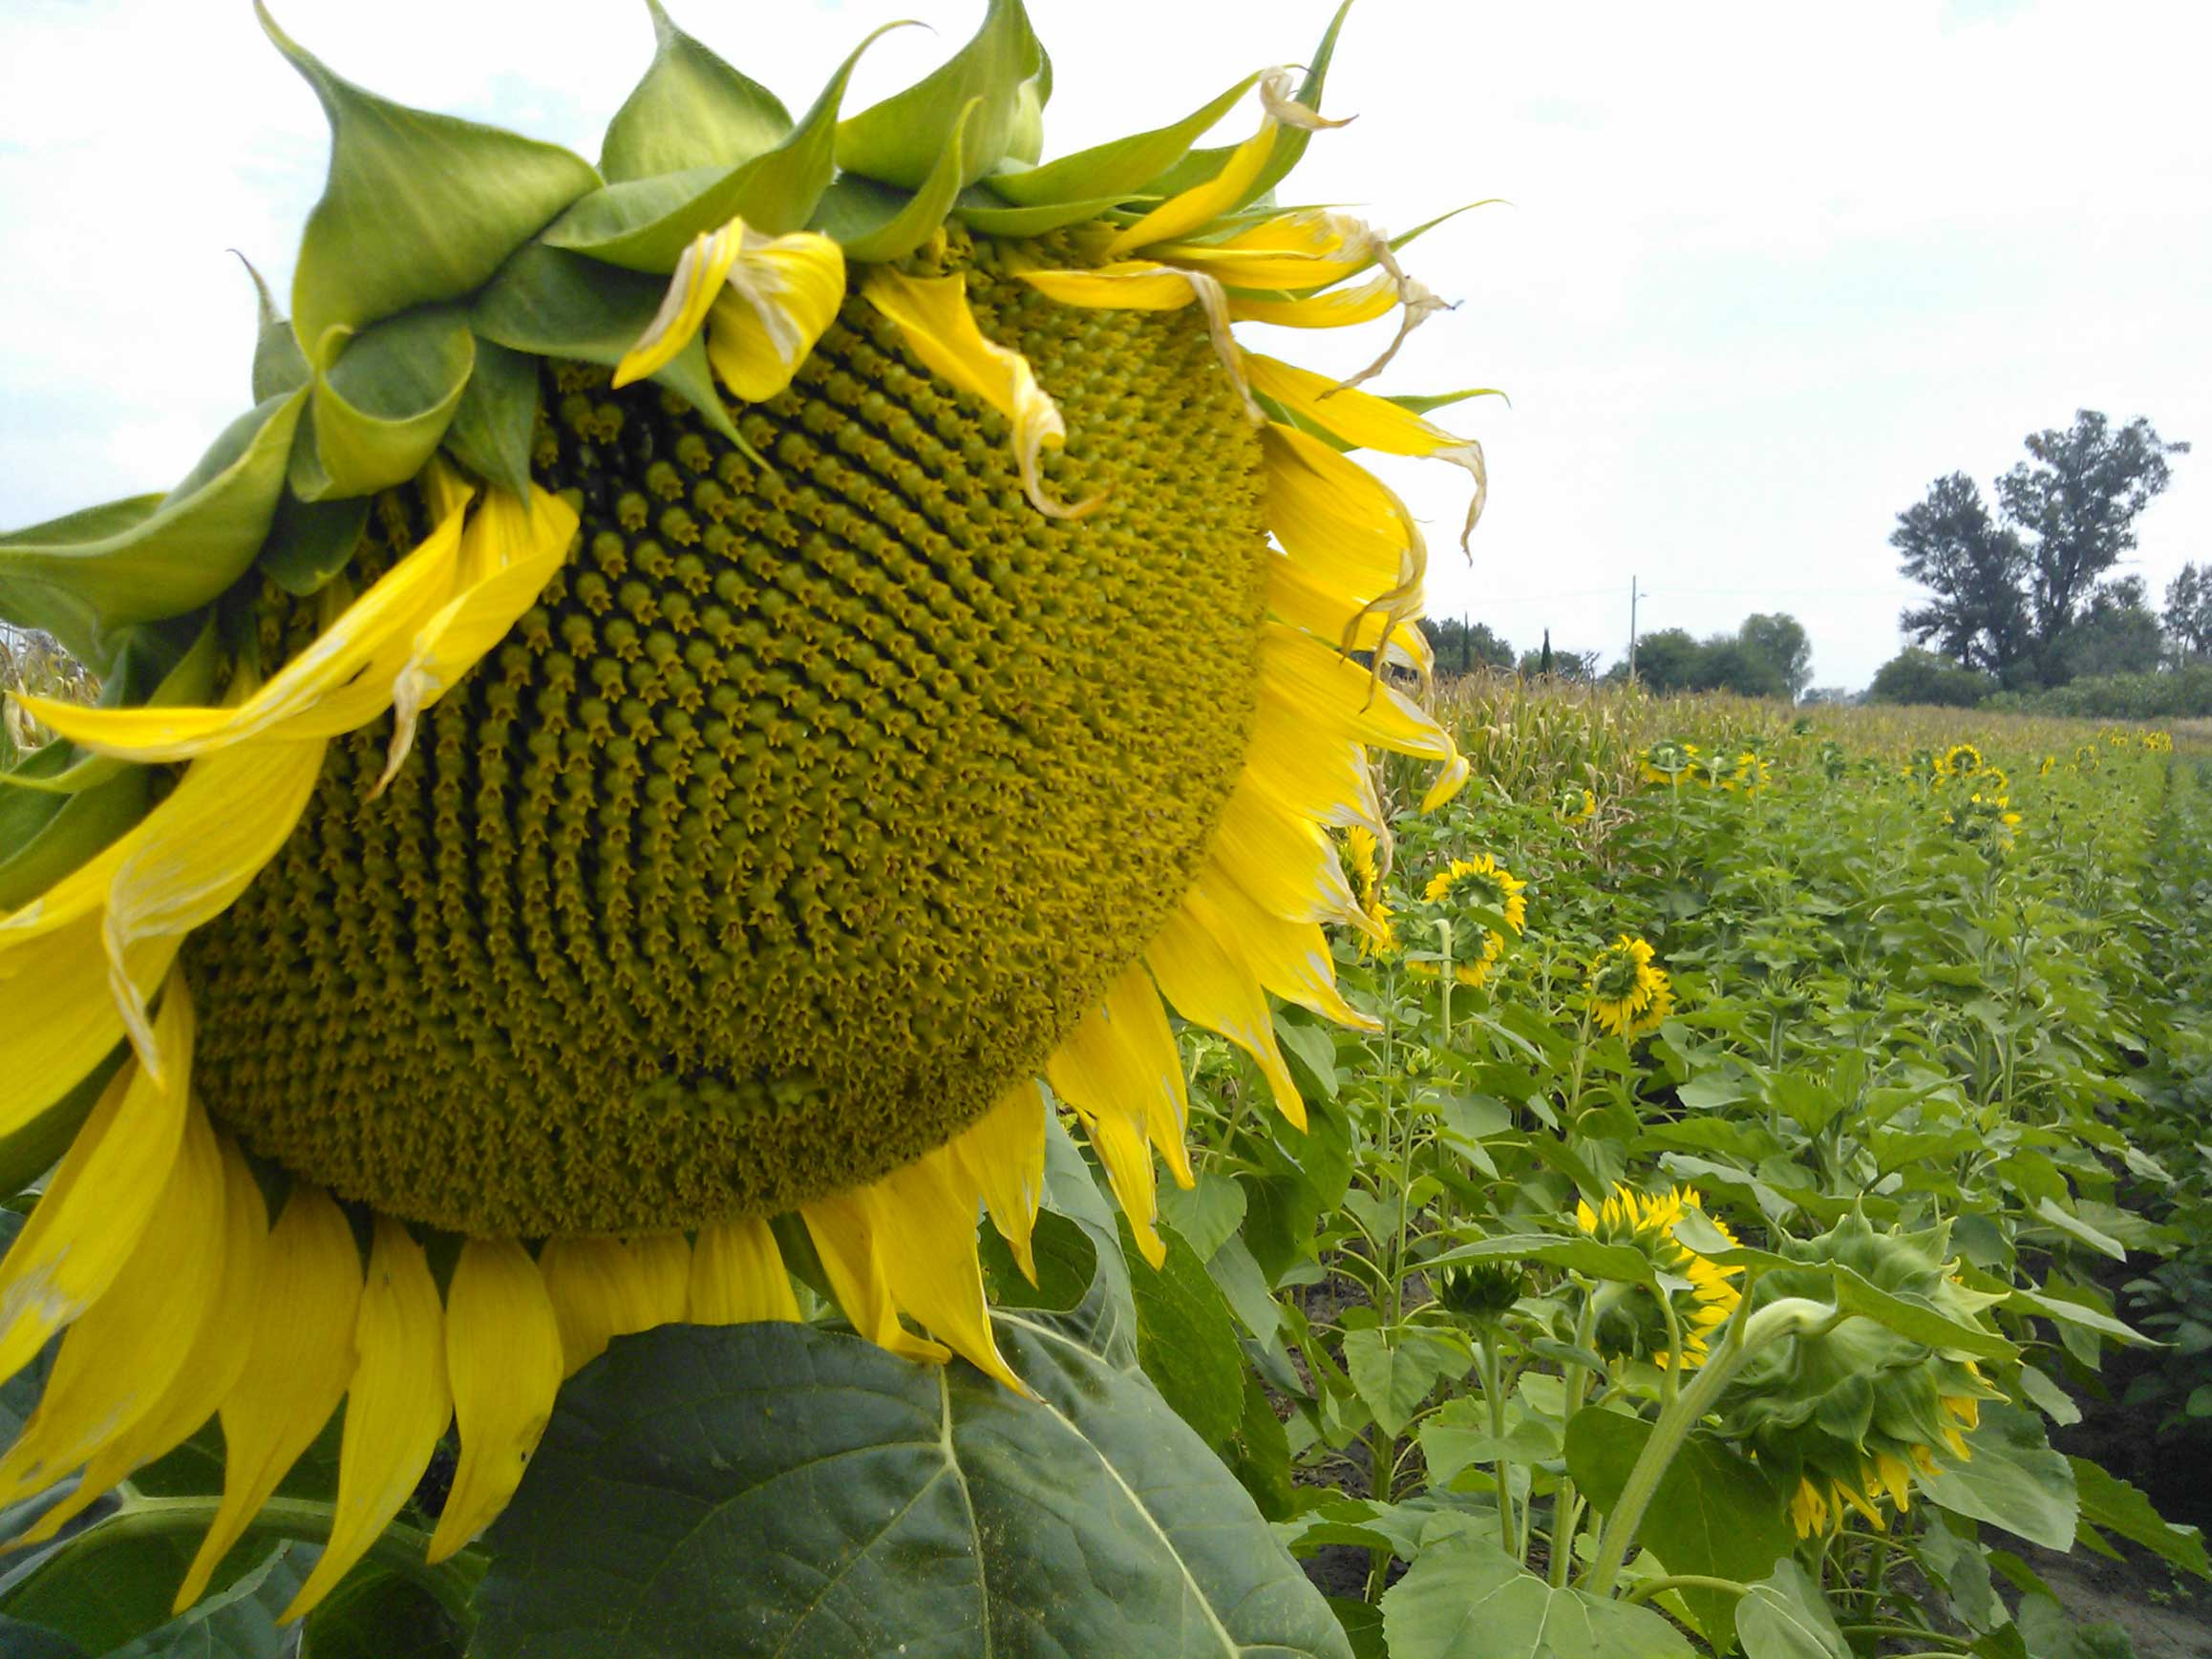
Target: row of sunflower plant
column 1729, row 1202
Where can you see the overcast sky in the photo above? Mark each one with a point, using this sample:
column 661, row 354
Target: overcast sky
column 1768, row 269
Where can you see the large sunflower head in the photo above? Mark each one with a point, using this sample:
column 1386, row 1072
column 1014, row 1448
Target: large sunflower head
column 1701, row 1293
column 706, row 691
column 1628, row 993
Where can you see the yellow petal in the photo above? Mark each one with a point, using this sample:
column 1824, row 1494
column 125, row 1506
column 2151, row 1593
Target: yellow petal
column 62, row 1020
column 511, row 550
column 1252, row 268
column 1289, row 959
column 926, row 1217
column 299, row 1359
column 1140, row 285
column 1338, row 524
column 209, row 1366
column 504, row 1359
column 118, row 1361
column 737, row 1275
column 332, row 687
column 193, row 855
column 1281, row 859
column 933, row 318
column 1366, row 422
column 696, row 281
column 847, row 1237
column 1203, row 204
column 778, row 298
column 1210, row 987
column 1121, row 1061
column 602, row 1289
column 1315, row 683
column 101, row 1197
column 1336, row 308
column 1003, row 1153
column 396, row 1406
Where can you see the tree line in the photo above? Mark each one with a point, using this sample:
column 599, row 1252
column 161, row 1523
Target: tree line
column 2024, row 599
column 1766, row 656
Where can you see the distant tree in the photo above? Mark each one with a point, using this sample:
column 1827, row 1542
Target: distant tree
column 2188, row 613
column 1667, row 661
column 2005, row 595
column 1561, row 665
column 1462, row 647
column 1726, row 663
column 1915, row 675
column 1780, row 641
column 1975, row 568
column 1831, row 695
column 2080, row 500
column 2117, row 633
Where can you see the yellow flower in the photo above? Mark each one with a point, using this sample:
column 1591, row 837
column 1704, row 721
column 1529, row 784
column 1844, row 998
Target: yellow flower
column 598, row 813
column 1959, row 760
column 1646, row 1223
column 1628, row 994
column 1483, row 881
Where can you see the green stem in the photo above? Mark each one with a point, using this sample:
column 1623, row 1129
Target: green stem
column 1790, row 1316
column 1644, row 1589
column 1565, row 1505
column 1488, row 1359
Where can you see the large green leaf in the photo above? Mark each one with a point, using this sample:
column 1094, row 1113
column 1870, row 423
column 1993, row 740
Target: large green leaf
column 418, row 207
column 902, row 140
column 1584, row 1255
column 1467, row 1599
column 85, row 577
column 2013, row 1479
column 1714, row 1512
column 1118, row 169
column 108, row 1588
column 382, row 1615
column 1857, row 1294
column 1186, row 1339
column 1395, row 1371
column 1785, row 1616
column 692, row 109
column 777, row 1488
column 2111, row 1503
column 376, row 415
column 643, row 223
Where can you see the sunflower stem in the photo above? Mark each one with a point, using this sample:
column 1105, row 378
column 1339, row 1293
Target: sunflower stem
column 1644, row 1589
column 1789, row 1317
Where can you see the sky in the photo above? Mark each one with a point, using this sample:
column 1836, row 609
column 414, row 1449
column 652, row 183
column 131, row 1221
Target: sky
column 1761, row 272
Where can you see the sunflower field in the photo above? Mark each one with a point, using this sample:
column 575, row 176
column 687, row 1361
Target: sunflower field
column 625, row 1030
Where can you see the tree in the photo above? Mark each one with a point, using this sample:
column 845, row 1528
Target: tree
column 1667, row 661
column 1920, row 676
column 2080, row 500
column 1780, row 641
column 1724, row 663
column 1462, row 647
column 1976, row 570
column 2117, row 633
column 1561, row 665
column 2005, row 594
column 2188, row 614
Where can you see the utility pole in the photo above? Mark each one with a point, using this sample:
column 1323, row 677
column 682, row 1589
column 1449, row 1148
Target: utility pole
column 1631, row 628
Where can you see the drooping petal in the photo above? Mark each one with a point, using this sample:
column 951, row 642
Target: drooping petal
column 1282, row 859
column 62, row 1020
column 933, row 317
column 778, row 296
column 692, row 291
column 1201, row 204
column 300, row 1357
column 848, row 1238
column 118, row 1361
column 737, row 1275
column 397, row 1405
column 1316, row 684
column 926, row 1217
column 210, row 1368
column 1336, row 308
column 511, row 550
column 1004, row 1153
column 1121, row 1061
column 193, row 855
column 1289, row 959
column 603, row 1287
column 330, row 687
column 1210, row 987
column 101, row 1197
column 1366, row 422
column 1137, row 285
column 504, row 1362
column 1340, row 526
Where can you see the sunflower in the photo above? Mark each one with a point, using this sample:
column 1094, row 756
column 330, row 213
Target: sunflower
column 1959, row 760
column 706, row 695
column 1481, row 881
column 1628, row 994
column 1576, row 805
column 1363, row 855
column 1668, row 761
column 1751, row 773
column 1706, row 1294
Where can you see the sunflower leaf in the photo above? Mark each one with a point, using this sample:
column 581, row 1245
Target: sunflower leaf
column 902, row 140
column 312, row 542
column 690, row 109
column 777, row 1487
column 877, row 222
column 1467, row 1599
column 979, row 209
column 1118, row 169
column 376, row 415
column 644, row 223
column 279, row 365
column 418, row 207
column 496, row 416
column 86, row 577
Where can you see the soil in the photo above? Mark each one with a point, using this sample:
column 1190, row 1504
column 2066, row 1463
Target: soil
column 2165, row 1616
